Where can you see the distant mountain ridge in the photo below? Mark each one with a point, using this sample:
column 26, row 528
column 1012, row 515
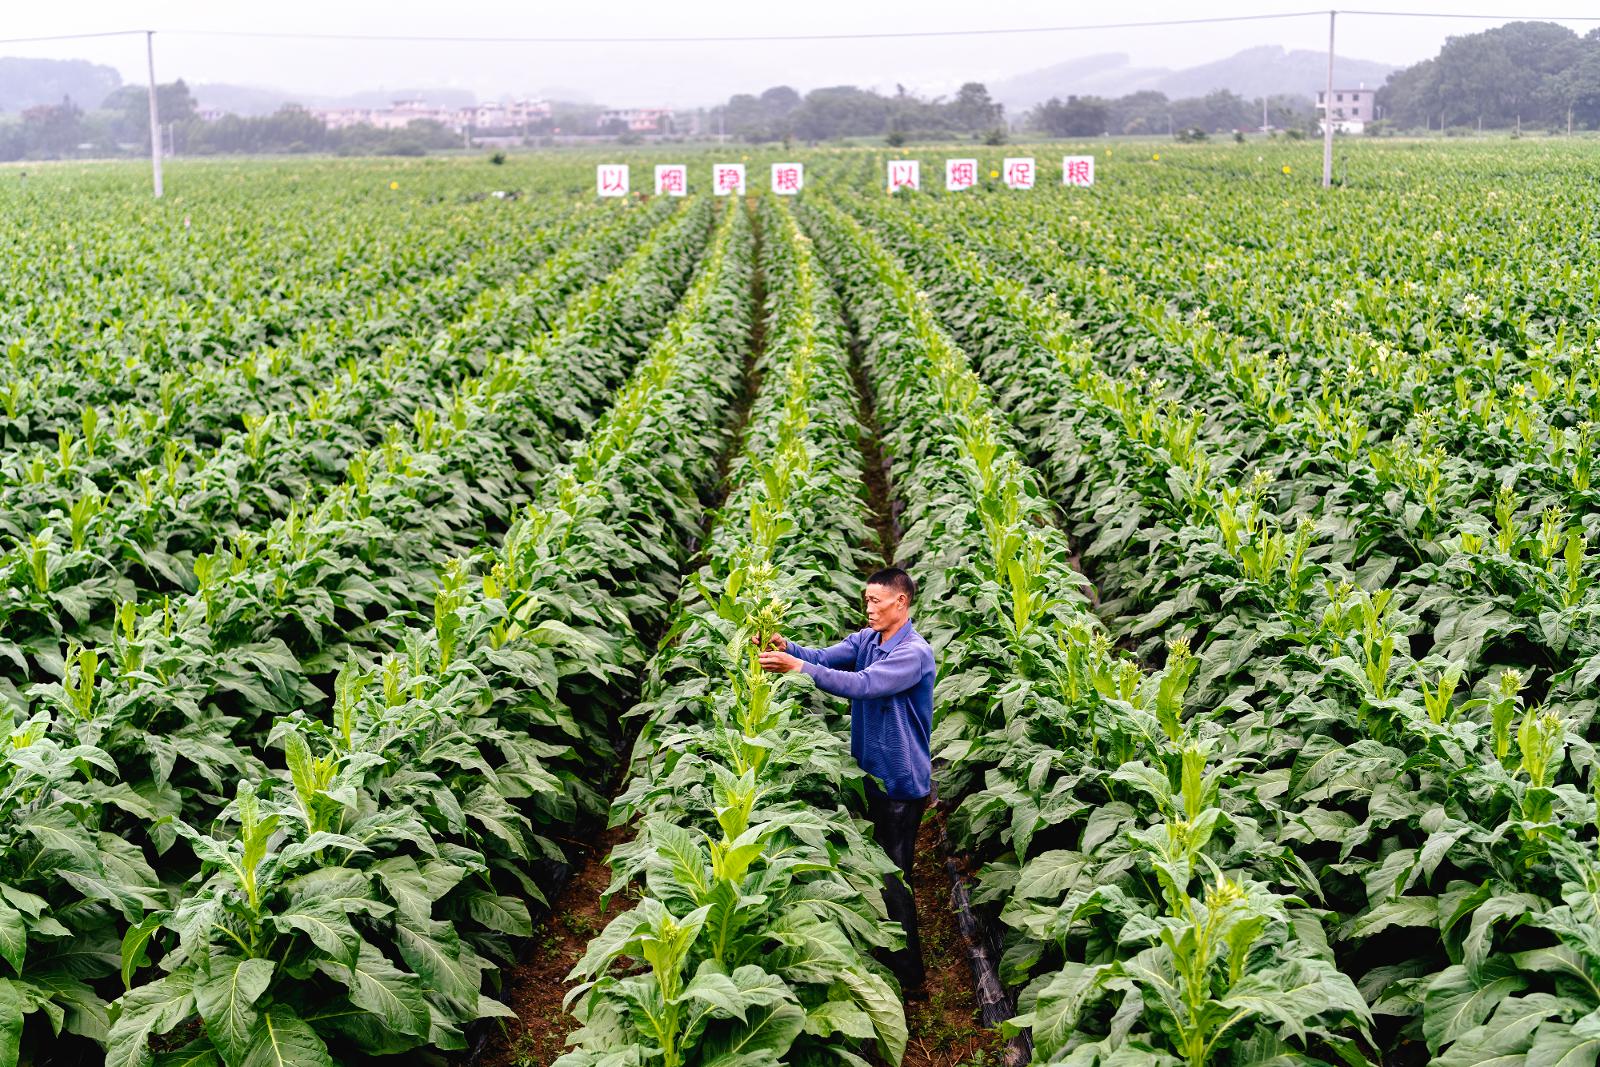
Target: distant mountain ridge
column 26, row 83
column 1269, row 70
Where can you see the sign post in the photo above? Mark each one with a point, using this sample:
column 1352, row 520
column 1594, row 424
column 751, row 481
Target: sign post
column 960, row 174
column 788, row 178
column 672, row 179
column 1018, row 172
column 727, row 178
column 1077, row 170
column 904, row 174
column 611, row 179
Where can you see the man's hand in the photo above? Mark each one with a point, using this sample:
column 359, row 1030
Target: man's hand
column 779, row 662
column 775, row 642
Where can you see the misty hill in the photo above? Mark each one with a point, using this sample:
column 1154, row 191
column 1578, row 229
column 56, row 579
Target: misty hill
column 1269, row 70
column 26, row 83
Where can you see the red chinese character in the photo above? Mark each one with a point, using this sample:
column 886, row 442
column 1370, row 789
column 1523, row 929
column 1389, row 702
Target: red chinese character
column 902, row 174
column 671, row 181
column 1020, row 173
column 961, row 174
column 1080, row 172
column 728, row 178
column 611, row 179
column 788, row 179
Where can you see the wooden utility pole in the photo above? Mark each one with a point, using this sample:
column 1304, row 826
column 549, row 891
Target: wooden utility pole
column 1327, row 113
column 155, row 114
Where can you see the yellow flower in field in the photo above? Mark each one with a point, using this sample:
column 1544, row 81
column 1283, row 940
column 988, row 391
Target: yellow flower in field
column 1156, row 157
column 994, row 174
column 394, row 185
column 1286, row 168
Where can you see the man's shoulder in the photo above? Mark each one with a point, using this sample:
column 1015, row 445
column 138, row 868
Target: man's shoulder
column 915, row 640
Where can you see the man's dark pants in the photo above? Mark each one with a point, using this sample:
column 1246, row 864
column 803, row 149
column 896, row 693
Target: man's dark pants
column 894, row 827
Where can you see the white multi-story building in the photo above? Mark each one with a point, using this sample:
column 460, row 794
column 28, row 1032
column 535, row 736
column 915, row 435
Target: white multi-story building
column 1352, row 108
column 638, row 119
column 505, row 115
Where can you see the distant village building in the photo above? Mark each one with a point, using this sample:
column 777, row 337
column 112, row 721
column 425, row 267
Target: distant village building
column 1352, row 108
column 637, row 120
column 505, row 115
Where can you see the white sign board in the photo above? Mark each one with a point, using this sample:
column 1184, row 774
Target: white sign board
column 904, row 174
column 960, row 174
column 672, row 179
column 1077, row 170
column 611, row 179
column 1018, row 172
column 727, row 178
column 788, row 178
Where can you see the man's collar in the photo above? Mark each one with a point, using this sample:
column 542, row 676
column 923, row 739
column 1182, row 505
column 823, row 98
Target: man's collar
column 898, row 636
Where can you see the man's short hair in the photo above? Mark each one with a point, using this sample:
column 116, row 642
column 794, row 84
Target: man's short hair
column 896, row 579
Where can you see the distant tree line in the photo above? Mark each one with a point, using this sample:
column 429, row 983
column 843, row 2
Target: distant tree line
column 840, row 111
column 122, row 124
column 1150, row 112
column 1532, row 73
column 782, row 114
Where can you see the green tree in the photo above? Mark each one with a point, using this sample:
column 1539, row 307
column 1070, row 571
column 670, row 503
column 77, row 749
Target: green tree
column 841, row 111
column 1077, row 116
column 130, row 110
column 1141, row 112
column 1519, row 71
column 973, row 110
column 52, row 130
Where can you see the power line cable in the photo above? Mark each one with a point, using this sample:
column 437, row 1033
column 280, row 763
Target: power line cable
column 423, row 38
column 1473, row 15
column 70, row 36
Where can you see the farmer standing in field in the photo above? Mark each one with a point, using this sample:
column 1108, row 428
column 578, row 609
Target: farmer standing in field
column 887, row 672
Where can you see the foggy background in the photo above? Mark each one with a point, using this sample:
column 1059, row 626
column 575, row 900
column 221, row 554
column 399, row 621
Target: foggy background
column 690, row 74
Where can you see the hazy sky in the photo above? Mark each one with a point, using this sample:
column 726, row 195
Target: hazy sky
column 686, row 74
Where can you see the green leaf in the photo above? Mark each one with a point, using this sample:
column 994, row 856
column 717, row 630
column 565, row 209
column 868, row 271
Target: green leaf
column 715, row 989
column 761, row 1041
column 381, row 988
column 226, row 996
column 1456, row 1003
column 283, row 1039
column 839, row 1017
column 154, row 1008
column 11, row 1007
column 13, row 936
column 133, row 946
column 1294, row 993
column 328, row 928
column 197, row 1053
column 1557, row 1044
column 506, row 915
column 434, row 952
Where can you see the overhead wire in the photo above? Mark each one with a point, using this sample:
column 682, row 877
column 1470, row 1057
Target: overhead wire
column 748, row 38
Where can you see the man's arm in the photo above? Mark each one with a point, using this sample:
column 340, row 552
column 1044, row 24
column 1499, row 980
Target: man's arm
column 894, row 673
column 840, row 655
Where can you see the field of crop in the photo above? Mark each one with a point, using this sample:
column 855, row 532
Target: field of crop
column 381, row 545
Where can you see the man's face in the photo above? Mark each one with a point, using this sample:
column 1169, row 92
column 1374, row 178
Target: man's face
column 885, row 607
